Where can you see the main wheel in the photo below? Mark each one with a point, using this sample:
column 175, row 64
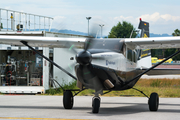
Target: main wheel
column 153, row 102
column 95, row 104
column 68, row 100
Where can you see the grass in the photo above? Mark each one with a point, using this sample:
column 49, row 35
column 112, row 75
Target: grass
column 59, row 91
column 164, row 87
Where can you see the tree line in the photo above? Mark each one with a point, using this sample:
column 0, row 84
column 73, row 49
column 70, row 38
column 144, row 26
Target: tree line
column 163, row 53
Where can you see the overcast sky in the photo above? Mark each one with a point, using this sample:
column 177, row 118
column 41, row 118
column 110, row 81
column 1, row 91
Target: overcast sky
column 162, row 15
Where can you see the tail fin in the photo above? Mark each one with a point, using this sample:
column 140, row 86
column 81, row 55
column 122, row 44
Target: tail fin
column 144, row 27
column 145, row 56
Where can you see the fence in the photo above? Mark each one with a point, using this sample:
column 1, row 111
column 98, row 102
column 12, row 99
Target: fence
column 10, row 20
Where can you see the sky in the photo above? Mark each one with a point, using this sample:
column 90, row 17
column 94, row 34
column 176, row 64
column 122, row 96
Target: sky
column 162, row 15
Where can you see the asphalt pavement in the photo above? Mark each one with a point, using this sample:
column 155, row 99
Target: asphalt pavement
column 112, row 108
column 161, row 76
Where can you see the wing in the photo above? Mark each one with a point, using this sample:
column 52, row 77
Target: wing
column 156, row 43
column 41, row 41
column 153, row 43
column 134, row 43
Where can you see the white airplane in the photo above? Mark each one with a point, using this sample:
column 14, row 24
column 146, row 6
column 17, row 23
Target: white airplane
column 106, row 64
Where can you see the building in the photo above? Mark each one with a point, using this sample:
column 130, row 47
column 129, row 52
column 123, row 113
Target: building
column 22, row 70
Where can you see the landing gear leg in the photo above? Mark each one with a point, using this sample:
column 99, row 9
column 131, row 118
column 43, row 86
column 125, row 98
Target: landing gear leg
column 95, row 104
column 153, row 102
column 68, row 99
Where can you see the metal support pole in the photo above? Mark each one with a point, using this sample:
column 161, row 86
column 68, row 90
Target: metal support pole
column 88, row 27
column 44, row 23
column 29, row 23
column 14, row 27
column 88, row 18
column 101, row 32
column 39, row 23
column 27, row 78
column 131, row 33
column 19, row 18
column 25, row 22
column 12, row 21
column 34, row 22
column 7, row 20
column 49, row 24
column 137, row 31
column 0, row 20
column 101, row 29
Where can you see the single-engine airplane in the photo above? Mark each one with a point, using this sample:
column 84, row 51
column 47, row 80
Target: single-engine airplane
column 106, row 64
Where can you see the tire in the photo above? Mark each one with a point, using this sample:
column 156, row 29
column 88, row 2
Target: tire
column 153, row 102
column 68, row 100
column 95, row 105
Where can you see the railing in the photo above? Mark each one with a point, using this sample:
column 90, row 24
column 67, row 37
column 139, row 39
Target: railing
column 30, row 22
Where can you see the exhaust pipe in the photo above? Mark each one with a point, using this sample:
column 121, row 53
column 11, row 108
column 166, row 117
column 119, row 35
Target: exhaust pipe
column 108, row 84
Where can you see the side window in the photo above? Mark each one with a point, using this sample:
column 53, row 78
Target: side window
column 134, row 57
column 129, row 54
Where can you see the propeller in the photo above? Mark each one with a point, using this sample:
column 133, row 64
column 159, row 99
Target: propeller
column 84, row 58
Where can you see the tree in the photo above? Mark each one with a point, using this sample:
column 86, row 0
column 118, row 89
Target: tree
column 122, row 30
column 1, row 26
column 168, row 52
column 176, row 32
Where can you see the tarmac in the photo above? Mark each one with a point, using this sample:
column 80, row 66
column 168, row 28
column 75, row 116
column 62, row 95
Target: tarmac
column 161, row 76
column 33, row 107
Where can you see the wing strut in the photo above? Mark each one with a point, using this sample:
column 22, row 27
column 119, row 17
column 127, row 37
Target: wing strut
column 26, row 44
column 138, row 76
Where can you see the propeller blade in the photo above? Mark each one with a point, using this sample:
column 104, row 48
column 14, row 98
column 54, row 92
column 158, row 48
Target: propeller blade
column 71, row 48
column 93, row 34
column 94, row 31
column 88, row 43
column 70, row 67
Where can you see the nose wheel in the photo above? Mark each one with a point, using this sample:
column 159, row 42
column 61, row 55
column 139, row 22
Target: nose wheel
column 153, row 102
column 68, row 100
column 95, row 104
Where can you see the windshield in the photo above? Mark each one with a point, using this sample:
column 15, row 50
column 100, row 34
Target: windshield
column 107, row 44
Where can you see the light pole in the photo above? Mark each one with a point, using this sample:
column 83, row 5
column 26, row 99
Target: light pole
column 88, row 18
column 101, row 29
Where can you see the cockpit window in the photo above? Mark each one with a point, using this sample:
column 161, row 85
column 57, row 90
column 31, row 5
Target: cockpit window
column 131, row 55
column 114, row 45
